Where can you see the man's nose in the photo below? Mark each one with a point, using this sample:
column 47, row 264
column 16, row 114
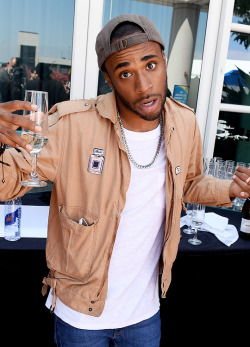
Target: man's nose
column 143, row 83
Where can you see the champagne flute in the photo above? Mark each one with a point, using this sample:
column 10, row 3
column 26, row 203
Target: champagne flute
column 37, row 140
column 189, row 212
column 197, row 220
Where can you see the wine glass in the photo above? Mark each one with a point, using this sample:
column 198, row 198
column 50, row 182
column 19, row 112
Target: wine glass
column 189, row 212
column 37, row 140
column 197, row 220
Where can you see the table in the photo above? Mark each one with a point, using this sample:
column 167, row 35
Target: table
column 210, row 244
column 208, row 297
column 204, row 303
column 25, row 320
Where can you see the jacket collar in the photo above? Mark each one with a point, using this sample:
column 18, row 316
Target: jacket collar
column 106, row 106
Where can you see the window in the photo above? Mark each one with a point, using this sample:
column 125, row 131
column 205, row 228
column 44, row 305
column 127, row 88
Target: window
column 234, row 116
column 233, row 137
column 36, row 48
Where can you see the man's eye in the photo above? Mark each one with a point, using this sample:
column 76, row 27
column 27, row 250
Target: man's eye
column 125, row 75
column 151, row 66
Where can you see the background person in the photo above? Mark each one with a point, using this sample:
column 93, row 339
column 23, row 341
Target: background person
column 55, row 89
column 18, row 82
column 6, row 75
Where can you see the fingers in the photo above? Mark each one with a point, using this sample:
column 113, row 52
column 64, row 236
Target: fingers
column 11, row 138
column 243, row 173
column 9, row 122
column 243, row 169
column 16, row 105
column 37, row 117
column 241, row 179
column 14, row 121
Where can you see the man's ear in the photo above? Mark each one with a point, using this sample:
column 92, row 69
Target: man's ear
column 164, row 58
column 107, row 78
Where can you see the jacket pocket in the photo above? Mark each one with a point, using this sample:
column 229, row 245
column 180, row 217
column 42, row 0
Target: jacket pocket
column 77, row 241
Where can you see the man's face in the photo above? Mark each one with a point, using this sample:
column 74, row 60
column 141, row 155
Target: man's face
column 12, row 63
column 138, row 76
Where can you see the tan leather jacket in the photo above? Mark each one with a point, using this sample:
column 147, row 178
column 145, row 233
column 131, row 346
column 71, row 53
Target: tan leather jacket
column 79, row 255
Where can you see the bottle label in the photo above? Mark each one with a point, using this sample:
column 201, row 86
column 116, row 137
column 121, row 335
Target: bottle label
column 245, row 226
column 12, row 217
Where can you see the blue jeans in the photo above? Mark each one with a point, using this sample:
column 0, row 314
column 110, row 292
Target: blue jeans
column 144, row 334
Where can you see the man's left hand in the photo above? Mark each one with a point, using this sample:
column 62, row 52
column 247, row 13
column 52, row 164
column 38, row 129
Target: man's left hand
column 240, row 187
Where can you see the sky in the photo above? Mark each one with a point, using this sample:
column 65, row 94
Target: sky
column 52, row 19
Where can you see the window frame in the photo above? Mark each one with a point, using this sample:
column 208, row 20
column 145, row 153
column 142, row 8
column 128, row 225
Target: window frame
column 87, row 24
column 215, row 105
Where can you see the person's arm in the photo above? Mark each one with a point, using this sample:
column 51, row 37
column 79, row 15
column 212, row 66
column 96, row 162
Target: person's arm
column 206, row 189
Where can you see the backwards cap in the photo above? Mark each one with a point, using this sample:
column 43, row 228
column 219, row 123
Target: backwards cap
column 103, row 46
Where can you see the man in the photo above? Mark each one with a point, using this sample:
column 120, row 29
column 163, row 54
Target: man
column 6, row 75
column 11, row 65
column 55, row 89
column 121, row 166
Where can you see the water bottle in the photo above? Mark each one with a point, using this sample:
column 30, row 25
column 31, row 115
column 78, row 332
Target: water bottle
column 12, row 219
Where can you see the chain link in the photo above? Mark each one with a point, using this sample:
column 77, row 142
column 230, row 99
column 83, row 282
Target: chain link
column 139, row 166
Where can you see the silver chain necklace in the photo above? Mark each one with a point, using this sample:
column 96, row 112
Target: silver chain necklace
column 139, row 166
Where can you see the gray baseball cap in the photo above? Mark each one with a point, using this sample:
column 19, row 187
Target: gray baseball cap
column 103, row 46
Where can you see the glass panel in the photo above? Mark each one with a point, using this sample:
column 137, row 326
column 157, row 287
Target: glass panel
column 233, row 132
column 182, row 27
column 236, row 79
column 241, row 12
column 36, row 48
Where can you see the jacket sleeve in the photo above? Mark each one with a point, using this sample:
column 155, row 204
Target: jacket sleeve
column 203, row 189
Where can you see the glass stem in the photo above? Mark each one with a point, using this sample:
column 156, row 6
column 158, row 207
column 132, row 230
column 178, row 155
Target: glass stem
column 33, row 170
column 195, row 233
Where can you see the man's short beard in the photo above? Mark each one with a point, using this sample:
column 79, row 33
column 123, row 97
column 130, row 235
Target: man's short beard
column 124, row 101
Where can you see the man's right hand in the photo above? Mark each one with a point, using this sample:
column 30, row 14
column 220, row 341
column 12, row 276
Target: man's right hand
column 9, row 122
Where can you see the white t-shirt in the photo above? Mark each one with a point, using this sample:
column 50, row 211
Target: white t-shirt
column 134, row 271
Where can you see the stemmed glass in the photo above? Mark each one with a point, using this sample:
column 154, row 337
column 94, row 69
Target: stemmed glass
column 189, row 212
column 198, row 217
column 37, row 140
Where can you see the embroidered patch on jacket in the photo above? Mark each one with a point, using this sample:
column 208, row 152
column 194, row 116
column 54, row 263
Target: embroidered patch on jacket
column 177, row 170
column 96, row 161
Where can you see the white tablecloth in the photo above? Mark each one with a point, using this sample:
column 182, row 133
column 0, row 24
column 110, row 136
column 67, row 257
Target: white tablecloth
column 34, row 221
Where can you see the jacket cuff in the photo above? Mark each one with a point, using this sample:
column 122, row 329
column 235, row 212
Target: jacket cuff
column 223, row 194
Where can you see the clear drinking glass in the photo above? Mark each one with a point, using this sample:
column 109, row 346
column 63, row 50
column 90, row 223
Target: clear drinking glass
column 37, row 140
column 211, row 168
column 189, row 212
column 206, row 163
column 219, row 169
column 198, row 217
column 240, row 163
column 230, row 172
